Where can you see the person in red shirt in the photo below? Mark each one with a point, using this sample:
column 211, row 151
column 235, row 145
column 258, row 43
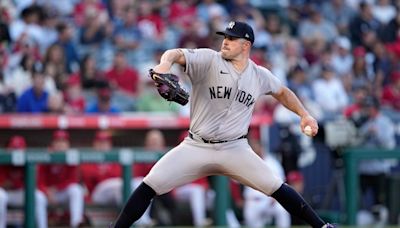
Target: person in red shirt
column 103, row 180
column 75, row 102
column 391, row 93
column 60, row 182
column 122, row 77
column 124, row 80
column 12, row 187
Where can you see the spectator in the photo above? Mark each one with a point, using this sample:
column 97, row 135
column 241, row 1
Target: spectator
column 75, row 102
column 123, row 77
column 389, row 32
column 20, row 78
column 103, row 180
column 55, row 65
column 391, row 93
column 65, row 35
column 317, row 28
column 329, row 92
column 342, row 59
column 34, row 99
column 260, row 209
column 362, row 75
column 384, row 11
column 124, row 80
column 61, row 182
column 353, row 110
column 339, row 13
column 27, row 25
column 362, row 24
column 12, row 191
column 127, row 36
column 210, row 10
column 88, row 73
column 196, row 36
column 153, row 29
column 182, row 13
column 376, row 132
column 103, row 104
column 382, row 65
column 4, row 29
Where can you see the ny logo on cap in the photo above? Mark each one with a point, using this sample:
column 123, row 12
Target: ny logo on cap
column 231, row 24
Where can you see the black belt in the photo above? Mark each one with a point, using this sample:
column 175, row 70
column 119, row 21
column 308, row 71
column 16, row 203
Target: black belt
column 217, row 141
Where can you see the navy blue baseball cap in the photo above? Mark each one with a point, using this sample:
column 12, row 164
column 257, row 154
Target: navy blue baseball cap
column 238, row 29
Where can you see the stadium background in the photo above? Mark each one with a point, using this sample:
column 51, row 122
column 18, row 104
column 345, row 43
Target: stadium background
column 86, row 47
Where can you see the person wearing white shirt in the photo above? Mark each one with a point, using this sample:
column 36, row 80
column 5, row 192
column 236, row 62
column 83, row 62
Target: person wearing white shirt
column 329, row 92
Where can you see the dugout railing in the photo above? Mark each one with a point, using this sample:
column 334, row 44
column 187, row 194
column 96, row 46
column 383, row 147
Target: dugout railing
column 352, row 157
column 125, row 157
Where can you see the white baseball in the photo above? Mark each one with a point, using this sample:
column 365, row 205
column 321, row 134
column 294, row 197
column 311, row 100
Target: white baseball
column 308, row 131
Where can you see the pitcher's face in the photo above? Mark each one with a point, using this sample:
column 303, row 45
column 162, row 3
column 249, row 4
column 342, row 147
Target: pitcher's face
column 232, row 47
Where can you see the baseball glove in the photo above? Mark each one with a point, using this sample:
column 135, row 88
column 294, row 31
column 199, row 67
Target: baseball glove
column 168, row 87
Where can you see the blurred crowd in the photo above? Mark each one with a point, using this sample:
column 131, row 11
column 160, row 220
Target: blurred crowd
column 93, row 56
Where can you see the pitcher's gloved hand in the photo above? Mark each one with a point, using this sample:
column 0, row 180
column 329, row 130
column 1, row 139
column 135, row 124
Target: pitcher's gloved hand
column 168, row 87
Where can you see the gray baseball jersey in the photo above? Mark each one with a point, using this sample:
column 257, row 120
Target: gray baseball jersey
column 222, row 102
column 222, row 99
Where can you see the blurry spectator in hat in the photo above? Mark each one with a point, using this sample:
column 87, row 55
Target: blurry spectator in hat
column 124, row 80
column 329, row 92
column 12, row 190
column 75, row 102
column 362, row 71
column 65, row 35
column 259, row 209
column 364, row 22
column 60, row 182
column 34, row 99
column 353, row 110
column 103, row 104
column 376, row 132
column 342, row 59
column 99, row 177
column 391, row 93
